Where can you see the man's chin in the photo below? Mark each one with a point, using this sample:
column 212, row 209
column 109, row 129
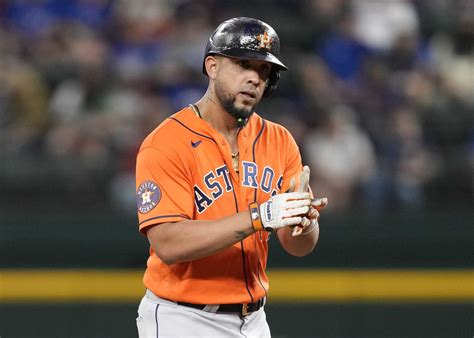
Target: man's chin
column 239, row 111
column 246, row 109
column 242, row 113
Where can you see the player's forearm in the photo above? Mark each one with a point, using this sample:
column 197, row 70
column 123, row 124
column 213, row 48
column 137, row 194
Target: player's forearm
column 189, row 240
column 300, row 245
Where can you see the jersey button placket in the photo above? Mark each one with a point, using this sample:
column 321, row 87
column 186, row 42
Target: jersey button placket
column 244, row 156
column 226, row 156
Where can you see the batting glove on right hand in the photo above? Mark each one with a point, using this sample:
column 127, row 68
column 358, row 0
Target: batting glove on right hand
column 281, row 210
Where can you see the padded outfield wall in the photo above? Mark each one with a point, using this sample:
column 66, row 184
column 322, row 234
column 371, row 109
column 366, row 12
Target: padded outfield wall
column 394, row 275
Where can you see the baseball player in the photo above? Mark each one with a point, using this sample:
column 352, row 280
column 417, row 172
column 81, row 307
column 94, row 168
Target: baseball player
column 213, row 182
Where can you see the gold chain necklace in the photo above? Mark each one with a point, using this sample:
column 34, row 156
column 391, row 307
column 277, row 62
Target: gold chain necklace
column 196, row 110
column 235, row 161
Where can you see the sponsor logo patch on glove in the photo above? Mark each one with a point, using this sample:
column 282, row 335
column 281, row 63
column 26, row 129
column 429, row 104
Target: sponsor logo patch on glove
column 269, row 211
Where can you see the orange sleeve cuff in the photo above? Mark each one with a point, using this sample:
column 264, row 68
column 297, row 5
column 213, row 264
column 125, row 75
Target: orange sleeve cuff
column 145, row 224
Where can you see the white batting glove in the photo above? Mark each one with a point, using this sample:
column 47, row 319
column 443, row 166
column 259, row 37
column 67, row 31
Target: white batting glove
column 281, row 210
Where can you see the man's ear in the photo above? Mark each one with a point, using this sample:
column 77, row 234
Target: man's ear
column 211, row 63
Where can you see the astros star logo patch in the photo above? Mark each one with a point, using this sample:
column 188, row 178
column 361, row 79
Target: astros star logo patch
column 265, row 41
column 148, row 196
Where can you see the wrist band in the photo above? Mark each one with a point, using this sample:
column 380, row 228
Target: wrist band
column 255, row 216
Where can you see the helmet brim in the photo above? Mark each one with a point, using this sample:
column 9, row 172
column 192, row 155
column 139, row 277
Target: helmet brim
column 252, row 55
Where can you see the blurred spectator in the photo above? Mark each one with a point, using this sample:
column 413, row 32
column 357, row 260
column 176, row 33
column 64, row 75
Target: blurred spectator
column 406, row 159
column 81, row 92
column 23, row 100
column 318, row 86
column 319, row 17
column 454, row 52
column 407, row 53
column 371, row 94
column 341, row 158
column 342, row 51
column 139, row 29
column 180, row 70
column 379, row 23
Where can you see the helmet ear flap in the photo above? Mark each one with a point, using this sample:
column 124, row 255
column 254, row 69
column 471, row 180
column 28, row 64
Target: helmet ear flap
column 272, row 83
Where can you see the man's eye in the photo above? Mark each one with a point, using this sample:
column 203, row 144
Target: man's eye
column 266, row 69
column 243, row 63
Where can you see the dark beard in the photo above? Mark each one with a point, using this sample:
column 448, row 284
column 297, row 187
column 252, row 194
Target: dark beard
column 228, row 102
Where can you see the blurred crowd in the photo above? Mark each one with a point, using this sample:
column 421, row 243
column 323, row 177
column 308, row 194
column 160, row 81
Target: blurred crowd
column 379, row 96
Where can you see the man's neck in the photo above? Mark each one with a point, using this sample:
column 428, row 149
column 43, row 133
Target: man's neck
column 213, row 113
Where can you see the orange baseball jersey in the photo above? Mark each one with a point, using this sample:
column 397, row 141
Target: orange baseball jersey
column 184, row 171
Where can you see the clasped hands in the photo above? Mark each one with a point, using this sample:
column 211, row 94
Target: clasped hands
column 298, row 209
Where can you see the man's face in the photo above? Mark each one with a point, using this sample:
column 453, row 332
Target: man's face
column 240, row 84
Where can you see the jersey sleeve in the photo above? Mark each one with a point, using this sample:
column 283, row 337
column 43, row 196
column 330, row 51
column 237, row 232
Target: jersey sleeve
column 293, row 162
column 163, row 189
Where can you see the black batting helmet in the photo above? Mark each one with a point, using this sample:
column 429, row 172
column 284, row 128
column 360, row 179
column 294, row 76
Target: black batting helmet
column 247, row 38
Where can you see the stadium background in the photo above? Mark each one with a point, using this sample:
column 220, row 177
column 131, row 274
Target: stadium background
column 379, row 97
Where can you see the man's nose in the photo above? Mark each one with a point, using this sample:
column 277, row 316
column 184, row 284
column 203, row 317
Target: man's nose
column 253, row 77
